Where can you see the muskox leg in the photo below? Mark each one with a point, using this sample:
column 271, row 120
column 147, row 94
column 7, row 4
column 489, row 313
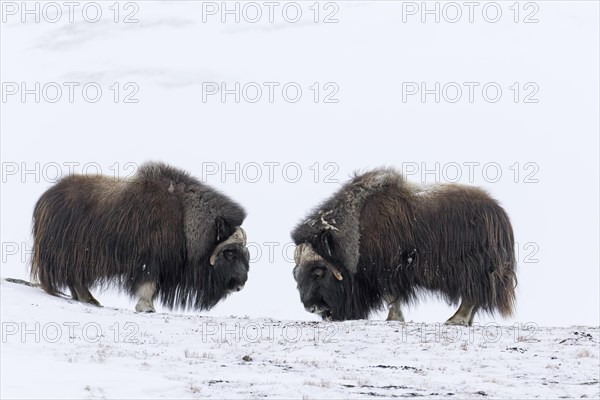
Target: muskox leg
column 473, row 312
column 73, row 291
column 395, row 313
column 146, row 293
column 82, row 293
column 464, row 314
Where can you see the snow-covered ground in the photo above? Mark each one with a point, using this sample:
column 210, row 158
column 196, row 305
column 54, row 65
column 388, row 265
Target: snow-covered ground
column 77, row 351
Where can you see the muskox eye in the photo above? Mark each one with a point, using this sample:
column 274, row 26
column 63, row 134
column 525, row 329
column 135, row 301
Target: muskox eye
column 229, row 255
column 319, row 271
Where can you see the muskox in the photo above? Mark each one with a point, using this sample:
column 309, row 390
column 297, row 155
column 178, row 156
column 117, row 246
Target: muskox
column 161, row 234
column 383, row 240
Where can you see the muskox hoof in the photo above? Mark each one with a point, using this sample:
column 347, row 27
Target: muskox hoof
column 94, row 302
column 144, row 308
column 458, row 321
column 84, row 296
column 464, row 315
column 395, row 318
column 395, row 315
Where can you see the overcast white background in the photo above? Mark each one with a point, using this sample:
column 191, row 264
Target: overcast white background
column 374, row 47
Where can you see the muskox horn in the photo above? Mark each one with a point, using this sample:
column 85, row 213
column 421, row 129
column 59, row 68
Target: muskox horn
column 298, row 253
column 337, row 273
column 305, row 253
column 238, row 237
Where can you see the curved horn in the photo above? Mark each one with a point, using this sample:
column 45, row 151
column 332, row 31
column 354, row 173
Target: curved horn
column 304, row 253
column 238, row 237
column 337, row 273
column 298, row 253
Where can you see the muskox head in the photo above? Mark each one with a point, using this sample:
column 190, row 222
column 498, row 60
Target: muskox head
column 230, row 260
column 324, row 288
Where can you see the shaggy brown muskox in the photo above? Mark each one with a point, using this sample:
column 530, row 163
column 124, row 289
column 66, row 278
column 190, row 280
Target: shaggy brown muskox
column 383, row 239
column 160, row 234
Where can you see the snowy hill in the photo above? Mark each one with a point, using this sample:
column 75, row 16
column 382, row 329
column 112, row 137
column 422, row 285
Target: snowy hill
column 58, row 348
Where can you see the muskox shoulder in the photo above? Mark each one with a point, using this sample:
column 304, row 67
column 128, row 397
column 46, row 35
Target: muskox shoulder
column 198, row 198
column 175, row 179
column 375, row 180
column 344, row 206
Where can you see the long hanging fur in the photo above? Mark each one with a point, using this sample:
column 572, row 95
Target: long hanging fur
column 158, row 226
column 393, row 238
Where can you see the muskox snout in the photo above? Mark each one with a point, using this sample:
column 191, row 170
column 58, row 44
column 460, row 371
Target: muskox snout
column 320, row 310
column 311, row 309
column 314, row 309
column 237, row 283
column 235, row 287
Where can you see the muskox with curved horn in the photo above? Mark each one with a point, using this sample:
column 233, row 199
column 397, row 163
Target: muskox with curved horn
column 381, row 239
column 159, row 234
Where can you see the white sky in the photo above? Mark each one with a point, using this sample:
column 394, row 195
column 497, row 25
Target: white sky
column 369, row 61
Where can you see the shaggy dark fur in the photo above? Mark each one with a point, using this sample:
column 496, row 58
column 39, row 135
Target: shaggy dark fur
column 393, row 239
column 159, row 226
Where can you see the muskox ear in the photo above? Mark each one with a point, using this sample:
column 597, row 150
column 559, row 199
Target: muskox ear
column 223, row 229
column 327, row 242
